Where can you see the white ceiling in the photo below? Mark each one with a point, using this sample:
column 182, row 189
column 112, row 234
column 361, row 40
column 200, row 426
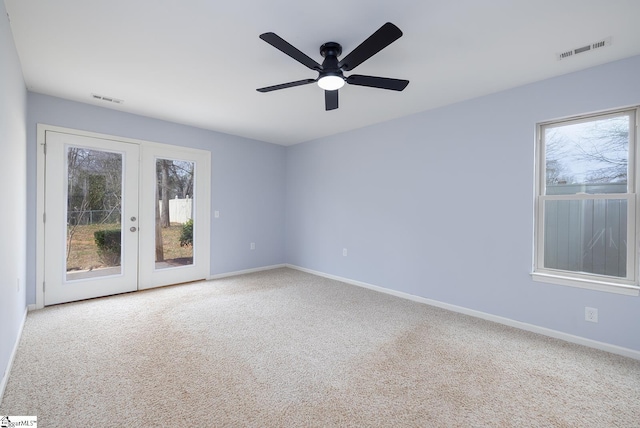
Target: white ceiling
column 199, row 62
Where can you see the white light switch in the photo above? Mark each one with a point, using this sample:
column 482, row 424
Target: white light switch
column 216, row 214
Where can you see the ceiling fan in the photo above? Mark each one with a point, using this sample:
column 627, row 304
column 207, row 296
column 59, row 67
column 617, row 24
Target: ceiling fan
column 331, row 77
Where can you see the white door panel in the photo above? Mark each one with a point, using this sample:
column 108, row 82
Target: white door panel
column 194, row 265
column 80, row 171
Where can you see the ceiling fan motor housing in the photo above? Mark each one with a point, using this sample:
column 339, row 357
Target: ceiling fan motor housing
column 330, row 51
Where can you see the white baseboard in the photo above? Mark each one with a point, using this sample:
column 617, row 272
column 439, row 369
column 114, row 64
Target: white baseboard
column 614, row 349
column 242, row 272
column 5, row 378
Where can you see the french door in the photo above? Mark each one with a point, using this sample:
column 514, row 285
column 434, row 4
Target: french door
column 121, row 216
column 174, row 240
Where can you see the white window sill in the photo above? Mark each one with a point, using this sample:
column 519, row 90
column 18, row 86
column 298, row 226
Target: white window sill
column 609, row 287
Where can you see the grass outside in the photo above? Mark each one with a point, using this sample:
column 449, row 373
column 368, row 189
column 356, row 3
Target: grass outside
column 83, row 254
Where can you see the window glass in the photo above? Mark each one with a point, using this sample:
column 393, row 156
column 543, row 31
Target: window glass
column 587, row 157
column 586, row 236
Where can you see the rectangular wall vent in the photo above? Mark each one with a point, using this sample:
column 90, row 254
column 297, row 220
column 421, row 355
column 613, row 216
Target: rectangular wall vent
column 596, row 45
column 107, row 99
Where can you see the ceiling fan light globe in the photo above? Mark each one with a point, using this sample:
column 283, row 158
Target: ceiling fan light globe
column 331, row 83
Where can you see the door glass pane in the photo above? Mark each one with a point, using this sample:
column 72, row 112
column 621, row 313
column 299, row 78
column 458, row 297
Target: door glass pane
column 588, row 236
column 174, row 213
column 94, row 213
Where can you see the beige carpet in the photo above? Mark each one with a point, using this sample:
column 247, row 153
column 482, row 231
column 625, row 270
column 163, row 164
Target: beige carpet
column 283, row 348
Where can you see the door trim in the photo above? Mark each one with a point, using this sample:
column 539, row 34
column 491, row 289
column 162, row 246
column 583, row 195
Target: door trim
column 41, row 193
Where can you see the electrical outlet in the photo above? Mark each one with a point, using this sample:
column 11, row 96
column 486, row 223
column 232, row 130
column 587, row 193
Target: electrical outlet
column 253, row 246
column 344, row 252
column 591, row 314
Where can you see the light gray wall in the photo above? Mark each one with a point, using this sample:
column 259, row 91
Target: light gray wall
column 13, row 113
column 247, row 184
column 440, row 204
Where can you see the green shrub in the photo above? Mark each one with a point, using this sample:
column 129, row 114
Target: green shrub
column 186, row 235
column 108, row 242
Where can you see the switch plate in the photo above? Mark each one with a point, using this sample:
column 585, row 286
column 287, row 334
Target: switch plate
column 344, row 252
column 253, row 246
column 216, row 214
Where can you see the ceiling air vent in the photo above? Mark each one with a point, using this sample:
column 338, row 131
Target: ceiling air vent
column 108, row 99
column 596, row 45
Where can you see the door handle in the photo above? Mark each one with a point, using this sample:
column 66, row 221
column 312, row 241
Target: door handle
column 133, row 228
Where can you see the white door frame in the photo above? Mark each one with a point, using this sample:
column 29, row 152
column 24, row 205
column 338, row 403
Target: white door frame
column 204, row 202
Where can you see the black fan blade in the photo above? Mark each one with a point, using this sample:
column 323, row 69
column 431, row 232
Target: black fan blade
column 279, row 43
column 377, row 82
column 330, row 100
column 286, row 85
column 379, row 40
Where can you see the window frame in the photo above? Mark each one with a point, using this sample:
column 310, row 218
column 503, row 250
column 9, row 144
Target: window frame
column 628, row 285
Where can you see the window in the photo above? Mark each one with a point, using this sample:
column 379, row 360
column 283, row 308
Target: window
column 586, row 183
